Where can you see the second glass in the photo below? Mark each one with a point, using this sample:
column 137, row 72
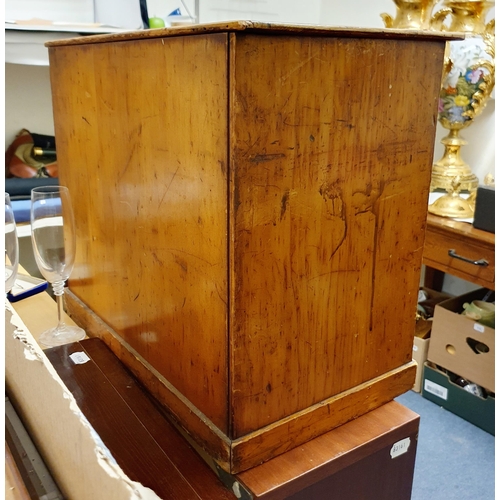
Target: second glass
column 54, row 246
column 11, row 246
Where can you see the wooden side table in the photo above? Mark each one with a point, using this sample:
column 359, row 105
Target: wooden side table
column 459, row 249
column 371, row 457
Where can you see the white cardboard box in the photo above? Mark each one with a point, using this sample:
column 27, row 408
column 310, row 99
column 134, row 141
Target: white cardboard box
column 81, row 464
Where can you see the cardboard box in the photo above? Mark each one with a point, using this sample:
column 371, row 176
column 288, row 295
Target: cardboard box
column 439, row 389
column 462, row 345
column 421, row 339
column 420, row 350
column 51, row 414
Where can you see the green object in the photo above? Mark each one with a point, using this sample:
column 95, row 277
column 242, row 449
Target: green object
column 156, row 22
column 438, row 388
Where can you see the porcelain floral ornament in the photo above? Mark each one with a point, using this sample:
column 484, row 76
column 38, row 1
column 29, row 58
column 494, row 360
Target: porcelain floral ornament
column 468, row 82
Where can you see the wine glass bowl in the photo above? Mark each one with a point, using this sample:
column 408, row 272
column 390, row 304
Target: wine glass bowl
column 54, row 246
column 11, row 246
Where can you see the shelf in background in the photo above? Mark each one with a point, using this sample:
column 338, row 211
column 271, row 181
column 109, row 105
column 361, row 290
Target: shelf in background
column 25, row 43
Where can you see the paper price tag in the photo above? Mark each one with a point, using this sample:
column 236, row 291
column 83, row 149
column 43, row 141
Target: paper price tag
column 479, row 327
column 400, row 447
column 79, row 358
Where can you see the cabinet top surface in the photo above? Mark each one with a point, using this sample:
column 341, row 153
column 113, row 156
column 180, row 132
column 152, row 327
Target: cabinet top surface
column 262, row 28
column 459, row 229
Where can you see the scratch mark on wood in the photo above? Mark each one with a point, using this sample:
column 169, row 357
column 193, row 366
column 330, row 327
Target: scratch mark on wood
column 375, row 119
column 284, row 78
column 224, row 301
column 266, row 157
column 168, row 187
column 191, row 255
column 284, row 202
column 181, row 263
column 157, row 260
column 127, row 165
column 129, row 159
column 267, row 186
column 342, row 239
column 346, row 123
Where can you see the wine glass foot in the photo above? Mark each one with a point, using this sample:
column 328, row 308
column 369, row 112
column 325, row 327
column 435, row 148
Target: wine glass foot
column 60, row 335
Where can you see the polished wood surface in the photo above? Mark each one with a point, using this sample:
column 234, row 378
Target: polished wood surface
column 318, row 202
column 146, row 445
column 352, row 462
column 242, row 230
column 442, row 235
column 70, row 449
column 259, row 27
column 151, row 216
column 279, row 438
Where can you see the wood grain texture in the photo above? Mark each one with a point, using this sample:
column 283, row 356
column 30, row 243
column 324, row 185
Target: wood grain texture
column 339, row 449
column 252, row 217
column 329, row 183
column 255, row 448
column 259, row 27
column 443, row 235
column 145, row 159
column 109, row 395
column 297, row 429
column 376, row 477
column 180, row 410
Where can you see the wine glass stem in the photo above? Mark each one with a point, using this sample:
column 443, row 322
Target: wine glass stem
column 58, row 287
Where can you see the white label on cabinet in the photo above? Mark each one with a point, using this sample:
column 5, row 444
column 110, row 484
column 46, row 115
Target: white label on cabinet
column 79, row 358
column 479, row 327
column 436, row 389
column 400, row 447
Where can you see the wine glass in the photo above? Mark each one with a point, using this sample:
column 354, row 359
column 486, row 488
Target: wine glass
column 11, row 246
column 54, row 246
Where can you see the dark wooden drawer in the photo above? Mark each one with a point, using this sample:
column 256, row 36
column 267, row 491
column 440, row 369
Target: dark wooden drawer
column 443, row 236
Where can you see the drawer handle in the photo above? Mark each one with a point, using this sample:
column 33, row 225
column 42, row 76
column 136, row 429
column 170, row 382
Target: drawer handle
column 480, row 262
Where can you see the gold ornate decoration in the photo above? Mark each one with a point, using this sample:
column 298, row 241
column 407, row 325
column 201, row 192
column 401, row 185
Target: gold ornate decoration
column 413, row 14
column 452, row 204
column 469, row 78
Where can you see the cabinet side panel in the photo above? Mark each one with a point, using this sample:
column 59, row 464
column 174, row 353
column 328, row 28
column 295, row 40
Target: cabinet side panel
column 332, row 143
column 141, row 129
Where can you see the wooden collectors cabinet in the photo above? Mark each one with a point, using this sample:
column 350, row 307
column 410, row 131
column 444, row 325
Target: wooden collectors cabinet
column 250, row 203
